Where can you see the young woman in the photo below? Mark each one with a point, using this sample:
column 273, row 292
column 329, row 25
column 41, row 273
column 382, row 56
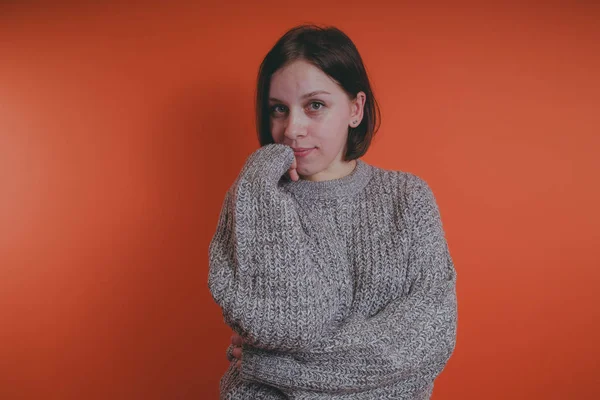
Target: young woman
column 335, row 275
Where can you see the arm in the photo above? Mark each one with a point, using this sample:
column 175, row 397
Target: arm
column 409, row 341
column 265, row 272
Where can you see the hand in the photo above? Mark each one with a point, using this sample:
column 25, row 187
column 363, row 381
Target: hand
column 293, row 174
column 237, row 342
column 268, row 164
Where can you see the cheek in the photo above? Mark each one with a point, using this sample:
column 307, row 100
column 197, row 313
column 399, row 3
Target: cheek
column 332, row 134
column 277, row 132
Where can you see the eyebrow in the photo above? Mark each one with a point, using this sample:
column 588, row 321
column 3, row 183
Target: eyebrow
column 305, row 96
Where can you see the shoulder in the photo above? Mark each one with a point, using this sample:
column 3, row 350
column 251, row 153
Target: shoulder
column 409, row 194
column 400, row 183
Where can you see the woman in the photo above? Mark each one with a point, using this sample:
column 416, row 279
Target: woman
column 335, row 275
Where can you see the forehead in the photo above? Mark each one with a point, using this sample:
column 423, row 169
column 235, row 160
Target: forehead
column 299, row 78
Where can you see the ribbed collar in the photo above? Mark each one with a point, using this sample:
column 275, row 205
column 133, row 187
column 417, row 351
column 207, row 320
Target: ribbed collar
column 349, row 185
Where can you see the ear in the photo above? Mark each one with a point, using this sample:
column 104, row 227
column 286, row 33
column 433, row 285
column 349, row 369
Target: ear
column 357, row 107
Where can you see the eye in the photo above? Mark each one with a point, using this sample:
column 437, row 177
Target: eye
column 316, row 106
column 278, row 109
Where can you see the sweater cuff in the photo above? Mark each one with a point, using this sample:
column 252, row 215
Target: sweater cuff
column 268, row 163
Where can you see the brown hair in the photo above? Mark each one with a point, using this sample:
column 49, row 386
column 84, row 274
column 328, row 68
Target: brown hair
column 332, row 51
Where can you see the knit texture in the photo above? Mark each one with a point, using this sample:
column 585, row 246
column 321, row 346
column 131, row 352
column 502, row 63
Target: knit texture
column 341, row 289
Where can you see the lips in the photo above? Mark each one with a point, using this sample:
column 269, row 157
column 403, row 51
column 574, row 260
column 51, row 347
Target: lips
column 302, row 152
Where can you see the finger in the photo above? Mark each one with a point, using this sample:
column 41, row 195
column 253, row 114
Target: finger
column 229, row 353
column 237, row 353
column 293, row 172
column 294, row 175
column 238, row 364
column 236, row 340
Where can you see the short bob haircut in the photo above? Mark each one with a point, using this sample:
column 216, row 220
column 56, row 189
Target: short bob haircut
column 332, row 51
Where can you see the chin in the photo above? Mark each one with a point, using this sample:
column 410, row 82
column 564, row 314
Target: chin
column 305, row 171
column 310, row 168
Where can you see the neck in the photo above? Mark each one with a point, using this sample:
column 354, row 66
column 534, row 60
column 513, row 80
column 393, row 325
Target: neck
column 341, row 170
column 347, row 186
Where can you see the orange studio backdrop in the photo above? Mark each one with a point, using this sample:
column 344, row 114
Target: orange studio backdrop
column 122, row 126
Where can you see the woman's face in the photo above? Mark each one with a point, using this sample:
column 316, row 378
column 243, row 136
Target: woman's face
column 311, row 113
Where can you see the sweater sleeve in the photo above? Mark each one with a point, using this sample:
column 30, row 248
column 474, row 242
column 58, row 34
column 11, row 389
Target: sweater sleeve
column 408, row 342
column 267, row 275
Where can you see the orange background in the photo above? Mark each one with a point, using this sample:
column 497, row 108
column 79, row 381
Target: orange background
column 121, row 127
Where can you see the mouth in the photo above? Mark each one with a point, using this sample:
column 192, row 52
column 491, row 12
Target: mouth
column 302, row 152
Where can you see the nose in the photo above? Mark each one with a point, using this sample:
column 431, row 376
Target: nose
column 296, row 126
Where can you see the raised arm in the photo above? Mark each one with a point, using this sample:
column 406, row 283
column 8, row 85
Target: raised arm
column 265, row 272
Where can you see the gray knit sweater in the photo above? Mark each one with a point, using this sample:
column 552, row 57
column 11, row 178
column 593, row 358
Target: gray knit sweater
column 341, row 289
